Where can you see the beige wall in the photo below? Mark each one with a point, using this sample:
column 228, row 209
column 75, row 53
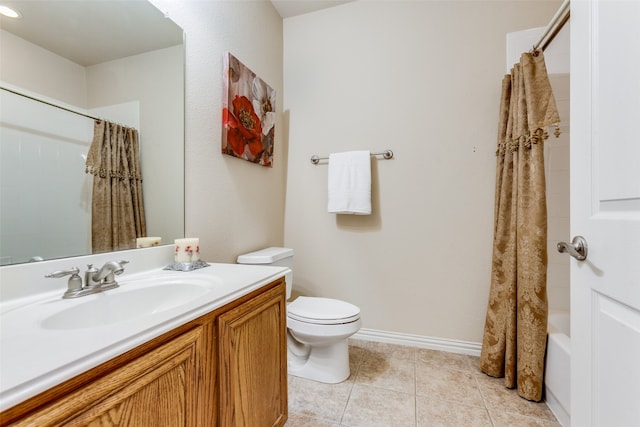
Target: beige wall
column 23, row 64
column 233, row 206
column 423, row 79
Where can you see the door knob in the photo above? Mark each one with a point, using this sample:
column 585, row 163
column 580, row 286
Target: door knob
column 577, row 248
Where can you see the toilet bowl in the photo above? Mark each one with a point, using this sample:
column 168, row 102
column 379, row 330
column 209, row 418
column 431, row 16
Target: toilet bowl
column 317, row 328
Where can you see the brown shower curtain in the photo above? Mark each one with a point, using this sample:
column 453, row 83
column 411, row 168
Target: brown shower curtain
column 515, row 331
column 117, row 212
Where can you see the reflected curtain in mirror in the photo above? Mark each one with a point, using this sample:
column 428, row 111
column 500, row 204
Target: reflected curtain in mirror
column 117, row 212
column 515, row 333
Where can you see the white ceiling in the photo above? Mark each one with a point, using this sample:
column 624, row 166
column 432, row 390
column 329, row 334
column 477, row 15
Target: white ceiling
column 288, row 8
column 91, row 32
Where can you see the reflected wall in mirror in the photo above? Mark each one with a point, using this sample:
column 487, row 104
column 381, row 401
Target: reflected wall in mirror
column 122, row 61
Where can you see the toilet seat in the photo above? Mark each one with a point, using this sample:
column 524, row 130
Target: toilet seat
column 322, row 311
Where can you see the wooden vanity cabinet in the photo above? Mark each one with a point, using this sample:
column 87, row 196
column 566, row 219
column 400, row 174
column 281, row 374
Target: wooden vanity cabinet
column 226, row 368
column 252, row 364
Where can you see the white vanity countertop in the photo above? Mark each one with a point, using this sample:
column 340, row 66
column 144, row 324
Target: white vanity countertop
column 34, row 358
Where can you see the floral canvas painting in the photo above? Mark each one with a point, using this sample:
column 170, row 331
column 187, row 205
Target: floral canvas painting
column 248, row 114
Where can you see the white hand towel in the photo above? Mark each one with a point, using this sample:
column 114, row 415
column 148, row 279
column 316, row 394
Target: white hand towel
column 350, row 183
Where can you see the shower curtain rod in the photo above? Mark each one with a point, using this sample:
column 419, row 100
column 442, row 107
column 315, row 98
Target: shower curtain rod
column 557, row 22
column 52, row 105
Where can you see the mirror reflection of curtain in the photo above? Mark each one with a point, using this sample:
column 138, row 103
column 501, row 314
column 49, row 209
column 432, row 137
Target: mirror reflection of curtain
column 515, row 331
column 117, row 213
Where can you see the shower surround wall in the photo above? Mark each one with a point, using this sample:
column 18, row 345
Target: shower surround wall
column 37, row 159
column 423, row 79
column 557, row 180
column 44, row 190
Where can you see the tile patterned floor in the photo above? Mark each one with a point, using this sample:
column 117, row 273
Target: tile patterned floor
column 392, row 385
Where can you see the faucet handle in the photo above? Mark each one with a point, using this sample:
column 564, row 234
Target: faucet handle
column 121, row 270
column 62, row 273
column 74, row 285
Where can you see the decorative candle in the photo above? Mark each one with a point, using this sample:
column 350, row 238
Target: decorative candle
column 147, row 242
column 187, row 250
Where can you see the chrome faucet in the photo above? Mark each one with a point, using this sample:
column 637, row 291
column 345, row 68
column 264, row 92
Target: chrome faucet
column 94, row 280
column 105, row 277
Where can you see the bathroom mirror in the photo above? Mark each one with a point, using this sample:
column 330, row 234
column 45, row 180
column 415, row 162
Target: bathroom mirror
column 118, row 60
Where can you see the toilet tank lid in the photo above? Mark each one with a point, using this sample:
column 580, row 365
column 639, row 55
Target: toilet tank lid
column 265, row 256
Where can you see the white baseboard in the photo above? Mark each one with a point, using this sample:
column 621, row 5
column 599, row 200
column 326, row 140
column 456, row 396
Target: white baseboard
column 453, row 346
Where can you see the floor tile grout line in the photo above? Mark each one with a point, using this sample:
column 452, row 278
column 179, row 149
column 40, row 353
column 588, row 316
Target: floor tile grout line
column 456, row 402
column 415, row 390
column 484, row 401
column 355, row 377
column 415, row 385
column 371, row 386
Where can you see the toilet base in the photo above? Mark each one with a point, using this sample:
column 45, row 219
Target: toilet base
column 323, row 363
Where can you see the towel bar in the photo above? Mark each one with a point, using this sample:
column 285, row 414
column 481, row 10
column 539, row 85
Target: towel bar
column 386, row 154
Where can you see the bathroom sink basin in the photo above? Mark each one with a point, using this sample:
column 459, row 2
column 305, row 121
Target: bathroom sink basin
column 110, row 307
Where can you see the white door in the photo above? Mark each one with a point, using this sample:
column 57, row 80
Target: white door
column 605, row 209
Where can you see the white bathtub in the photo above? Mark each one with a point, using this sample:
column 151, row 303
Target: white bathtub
column 558, row 367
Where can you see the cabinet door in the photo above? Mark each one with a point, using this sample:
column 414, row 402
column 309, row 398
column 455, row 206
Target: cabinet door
column 252, row 362
column 157, row 389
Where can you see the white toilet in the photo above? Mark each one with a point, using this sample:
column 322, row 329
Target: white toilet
column 317, row 328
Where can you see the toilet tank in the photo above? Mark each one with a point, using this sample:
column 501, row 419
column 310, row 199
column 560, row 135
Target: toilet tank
column 280, row 257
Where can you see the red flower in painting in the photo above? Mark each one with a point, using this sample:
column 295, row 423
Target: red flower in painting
column 244, row 127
